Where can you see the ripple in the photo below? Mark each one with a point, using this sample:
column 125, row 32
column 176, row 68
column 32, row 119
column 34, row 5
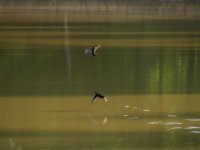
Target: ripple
column 171, row 115
column 195, row 132
column 154, row 122
column 172, row 123
column 174, row 128
column 134, row 107
column 146, row 110
column 193, row 119
column 135, row 117
column 127, row 106
column 192, row 127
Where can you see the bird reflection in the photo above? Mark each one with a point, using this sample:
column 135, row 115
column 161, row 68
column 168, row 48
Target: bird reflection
column 13, row 145
column 105, row 120
column 92, row 50
column 96, row 122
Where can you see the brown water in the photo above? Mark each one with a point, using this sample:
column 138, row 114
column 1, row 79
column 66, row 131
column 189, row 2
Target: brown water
column 148, row 68
column 125, row 122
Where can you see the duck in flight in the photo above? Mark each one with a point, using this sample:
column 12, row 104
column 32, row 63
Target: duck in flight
column 92, row 50
column 98, row 95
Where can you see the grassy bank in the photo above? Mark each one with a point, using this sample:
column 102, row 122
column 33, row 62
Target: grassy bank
column 135, row 7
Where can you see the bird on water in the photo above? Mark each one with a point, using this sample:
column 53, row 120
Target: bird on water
column 92, row 50
column 98, row 95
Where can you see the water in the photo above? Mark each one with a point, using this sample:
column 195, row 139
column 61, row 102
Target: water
column 148, row 68
column 124, row 122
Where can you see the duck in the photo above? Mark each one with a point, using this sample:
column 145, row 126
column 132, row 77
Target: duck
column 92, row 50
column 98, row 95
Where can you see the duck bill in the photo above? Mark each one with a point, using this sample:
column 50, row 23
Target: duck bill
column 105, row 99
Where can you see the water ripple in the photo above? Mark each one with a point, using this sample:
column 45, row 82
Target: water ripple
column 196, row 132
column 127, row 106
column 192, row 127
column 193, row 119
column 174, row 128
column 172, row 123
column 171, row 115
column 154, row 122
column 146, row 110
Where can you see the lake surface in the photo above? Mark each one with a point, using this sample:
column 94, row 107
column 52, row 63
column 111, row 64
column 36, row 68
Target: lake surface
column 148, row 68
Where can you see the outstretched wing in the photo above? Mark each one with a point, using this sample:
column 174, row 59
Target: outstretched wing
column 87, row 50
column 95, row 49
column 95, row 96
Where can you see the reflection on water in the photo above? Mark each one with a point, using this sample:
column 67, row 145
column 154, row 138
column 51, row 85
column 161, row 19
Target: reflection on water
column 95, row 122
column 145, row 59
column 148, row 67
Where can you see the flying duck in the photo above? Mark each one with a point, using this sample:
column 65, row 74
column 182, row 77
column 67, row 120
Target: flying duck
column 92, row 50
column 98, row 95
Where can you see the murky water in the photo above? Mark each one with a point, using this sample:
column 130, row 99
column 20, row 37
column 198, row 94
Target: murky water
column 148, row 68
column 124, row 122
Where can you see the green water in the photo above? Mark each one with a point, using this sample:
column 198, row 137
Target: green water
column 149, row 57
column 148, row 68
